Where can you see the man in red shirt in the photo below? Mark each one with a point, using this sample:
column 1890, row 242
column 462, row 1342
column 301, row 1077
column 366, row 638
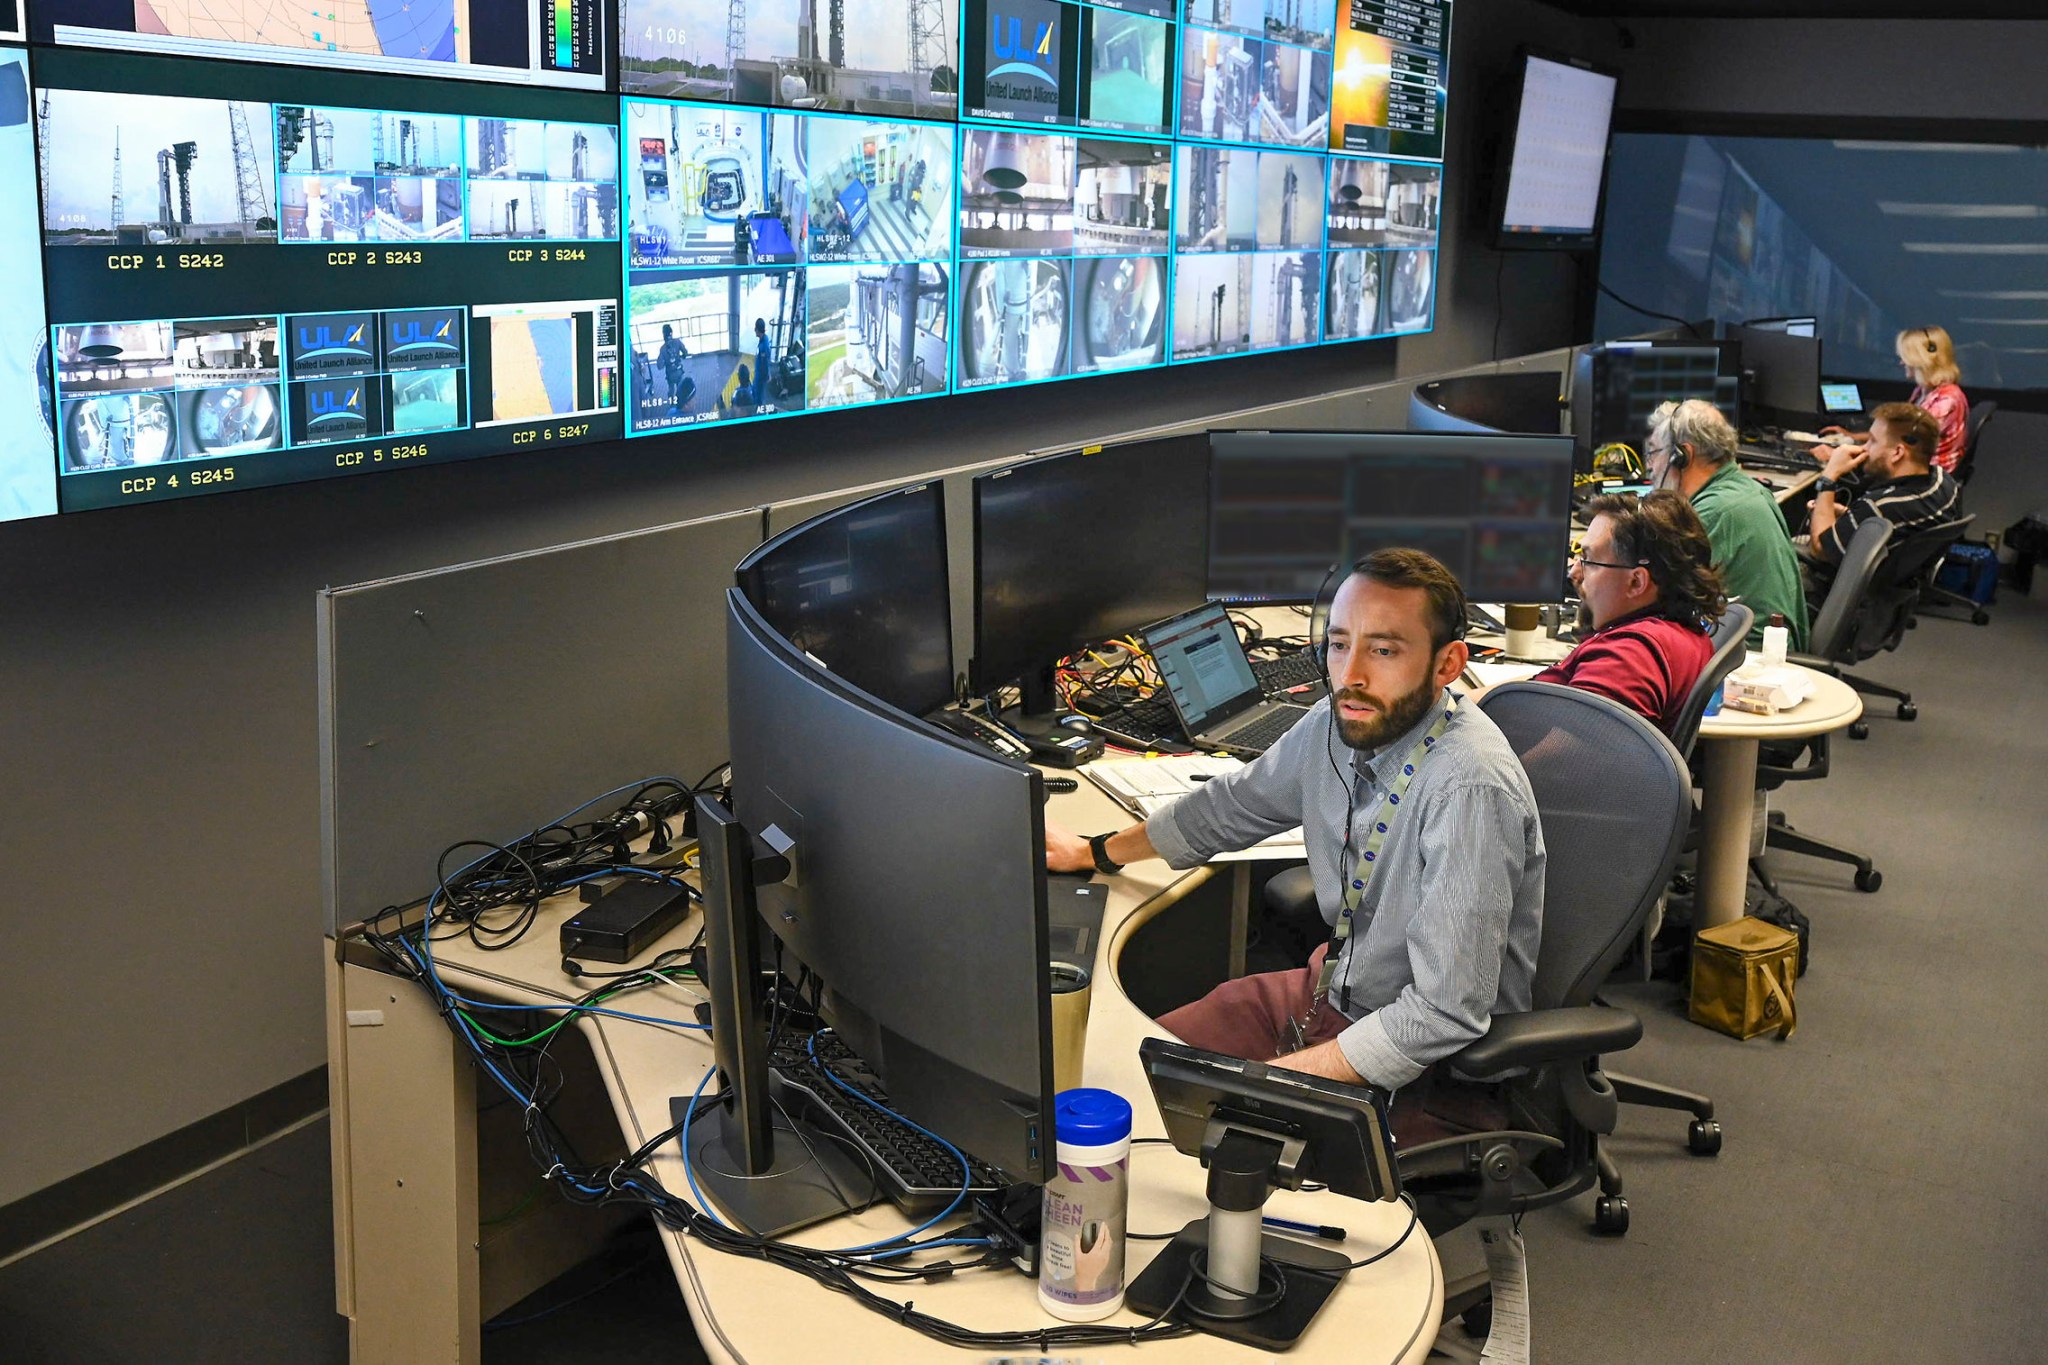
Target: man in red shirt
column 1647, row 585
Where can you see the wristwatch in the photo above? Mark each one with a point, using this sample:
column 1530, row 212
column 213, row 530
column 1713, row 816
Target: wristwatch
column 1098, row 849
column 1824, row 484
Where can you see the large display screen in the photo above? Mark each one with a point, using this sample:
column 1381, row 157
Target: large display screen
column 891, row 57
column 779, row 262
column 258, row 275
column 28, row 473
column 309, row 255
column 539, row 42
column 1063, row 255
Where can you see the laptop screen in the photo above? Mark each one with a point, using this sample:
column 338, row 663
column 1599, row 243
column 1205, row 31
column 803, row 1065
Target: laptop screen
column 1203, row 666
column 1841, row 398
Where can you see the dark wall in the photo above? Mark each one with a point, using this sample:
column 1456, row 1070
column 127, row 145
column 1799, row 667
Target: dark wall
column 159, row 797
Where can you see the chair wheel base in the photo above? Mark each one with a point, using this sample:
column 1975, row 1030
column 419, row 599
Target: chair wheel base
column 1610, row 1215
column 1980, row 618
column 1868, row 879
column 1703, row 1138
column 1908, row 711
column 1859, row 730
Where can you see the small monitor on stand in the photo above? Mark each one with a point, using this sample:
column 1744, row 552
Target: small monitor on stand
column 1257, row 1128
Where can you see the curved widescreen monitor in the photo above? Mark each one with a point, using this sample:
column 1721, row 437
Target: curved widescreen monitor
column 863, row 590
column 917, row 894
column 1285, row 506
column 1488, row 403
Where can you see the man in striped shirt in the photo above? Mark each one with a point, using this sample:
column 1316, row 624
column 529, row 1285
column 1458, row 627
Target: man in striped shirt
column 1900, row 482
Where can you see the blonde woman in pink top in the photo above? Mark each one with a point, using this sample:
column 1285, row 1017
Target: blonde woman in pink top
column 1928, row 356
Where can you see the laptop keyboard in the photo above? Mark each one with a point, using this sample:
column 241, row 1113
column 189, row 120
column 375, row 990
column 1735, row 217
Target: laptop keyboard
column 1264, row 732
column 1143, row 722
column 1289, row 671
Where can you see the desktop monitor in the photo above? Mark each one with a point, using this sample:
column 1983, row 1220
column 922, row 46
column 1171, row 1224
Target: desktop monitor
column 863, row 589
column 1617, row 386
column 1285, row 506
column 904, row 868
column 1556, row 174
column 1786, row 367
column 1083, row 547
column 1841, row 398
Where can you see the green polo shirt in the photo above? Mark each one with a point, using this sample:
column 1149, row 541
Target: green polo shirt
column 1753, row 550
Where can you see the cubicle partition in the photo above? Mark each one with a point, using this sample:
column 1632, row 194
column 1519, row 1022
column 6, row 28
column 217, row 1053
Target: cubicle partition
column 478, row 700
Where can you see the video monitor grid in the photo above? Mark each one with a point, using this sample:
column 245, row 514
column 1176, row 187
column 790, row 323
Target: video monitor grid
column 879, row 57
column 28, row 467
column 1055, row 63
column 1063, row 247
column 557, row 43
column 784, row 262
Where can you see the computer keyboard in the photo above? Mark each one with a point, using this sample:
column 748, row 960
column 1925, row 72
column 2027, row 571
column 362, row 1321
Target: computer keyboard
column 918, row 1174
column 1296, row 669
column 1265, row 732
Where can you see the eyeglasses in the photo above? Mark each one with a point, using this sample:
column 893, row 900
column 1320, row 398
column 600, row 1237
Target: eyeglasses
column 1579, row 558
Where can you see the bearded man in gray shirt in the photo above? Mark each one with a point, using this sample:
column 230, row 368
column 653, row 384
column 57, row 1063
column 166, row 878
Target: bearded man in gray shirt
column 1425, row 848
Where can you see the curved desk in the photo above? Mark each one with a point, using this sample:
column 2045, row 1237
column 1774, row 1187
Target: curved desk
column 415, row 1272
column 1728, row 749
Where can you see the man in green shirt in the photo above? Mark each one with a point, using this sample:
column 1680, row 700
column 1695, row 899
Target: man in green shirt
column 1692, row 450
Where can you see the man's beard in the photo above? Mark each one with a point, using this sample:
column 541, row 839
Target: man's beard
column 1391, row 722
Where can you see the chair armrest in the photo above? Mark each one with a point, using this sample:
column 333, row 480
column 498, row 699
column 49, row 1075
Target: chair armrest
column 1539, row 1036
column 1816, row 663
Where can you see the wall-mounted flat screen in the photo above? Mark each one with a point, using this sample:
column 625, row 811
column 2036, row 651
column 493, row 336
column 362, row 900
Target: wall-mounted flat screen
column 1556, row 172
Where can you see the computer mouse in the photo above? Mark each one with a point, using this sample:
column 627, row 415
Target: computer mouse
column 1075, row 722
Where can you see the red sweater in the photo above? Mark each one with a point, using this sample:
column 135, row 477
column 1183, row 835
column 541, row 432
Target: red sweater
column 1647, row 663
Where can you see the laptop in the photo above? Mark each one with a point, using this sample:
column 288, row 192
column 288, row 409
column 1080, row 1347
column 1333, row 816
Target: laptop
column 1841, row 398
column 1210, row 684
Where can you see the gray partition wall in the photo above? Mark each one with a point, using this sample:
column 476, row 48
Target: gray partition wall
column 483, row 700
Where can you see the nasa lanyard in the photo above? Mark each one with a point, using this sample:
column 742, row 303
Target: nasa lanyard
column 1375, row 840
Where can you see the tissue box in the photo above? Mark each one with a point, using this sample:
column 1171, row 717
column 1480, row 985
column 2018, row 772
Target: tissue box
column 1765, row 689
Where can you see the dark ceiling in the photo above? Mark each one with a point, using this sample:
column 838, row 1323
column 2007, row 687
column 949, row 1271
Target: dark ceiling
column 1803, row 9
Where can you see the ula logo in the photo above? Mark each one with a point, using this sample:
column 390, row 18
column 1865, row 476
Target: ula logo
column 1019, row 58
column 408, row 334
column 334, row 405
column 322, row 338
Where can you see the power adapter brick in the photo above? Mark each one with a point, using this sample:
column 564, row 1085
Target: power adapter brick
column 618, row 926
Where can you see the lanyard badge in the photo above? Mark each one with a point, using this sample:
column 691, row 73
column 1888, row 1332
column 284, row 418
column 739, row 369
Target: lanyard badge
column 1368, row 856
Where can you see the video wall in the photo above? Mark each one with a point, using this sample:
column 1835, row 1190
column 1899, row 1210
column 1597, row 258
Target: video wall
column 266, row 248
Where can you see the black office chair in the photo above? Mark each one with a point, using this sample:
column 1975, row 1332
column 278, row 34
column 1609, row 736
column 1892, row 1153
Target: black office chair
column 1852, row 624
column 1614, row 800
column 1870, row 605
column 1731, row 632
column 1980, row 417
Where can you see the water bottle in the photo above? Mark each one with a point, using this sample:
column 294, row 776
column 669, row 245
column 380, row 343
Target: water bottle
column 1081, row 1231
column 1776, row 637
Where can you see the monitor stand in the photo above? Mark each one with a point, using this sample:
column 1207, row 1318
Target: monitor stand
column 807, row 1178
column 1224, row 1275
column 1040, row 721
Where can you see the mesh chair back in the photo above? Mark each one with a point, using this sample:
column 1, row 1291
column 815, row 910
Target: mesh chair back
column 1980, row 416
column 1730, row 634
column 1614, row 799
column 1833, row 634
column 1903, row 575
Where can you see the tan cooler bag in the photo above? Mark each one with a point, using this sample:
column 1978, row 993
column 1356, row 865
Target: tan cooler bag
column 1742, row 977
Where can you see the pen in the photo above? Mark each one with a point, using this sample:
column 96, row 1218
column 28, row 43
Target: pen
column 1200, row 777
column 1322, row 1230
